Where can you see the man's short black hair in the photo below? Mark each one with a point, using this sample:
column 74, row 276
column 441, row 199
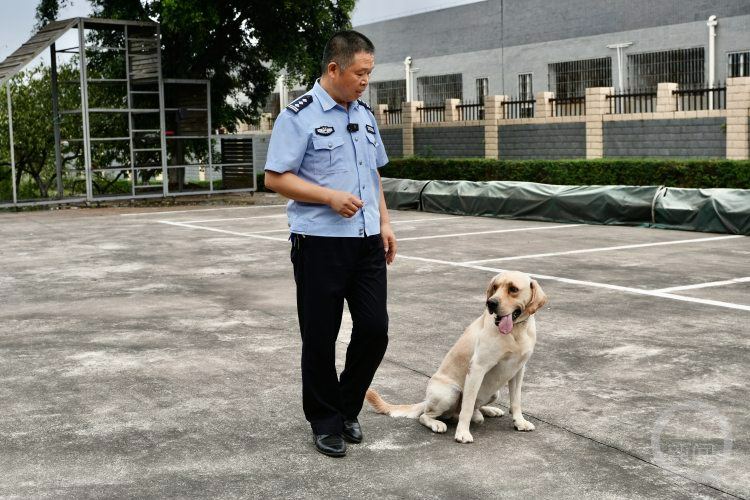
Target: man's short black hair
column 342, row 47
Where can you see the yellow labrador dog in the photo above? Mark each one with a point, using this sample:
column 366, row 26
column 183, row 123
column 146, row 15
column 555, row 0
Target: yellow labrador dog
column 491, row 352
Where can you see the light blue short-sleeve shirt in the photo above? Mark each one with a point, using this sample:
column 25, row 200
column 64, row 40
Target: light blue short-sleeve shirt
column 321, row 142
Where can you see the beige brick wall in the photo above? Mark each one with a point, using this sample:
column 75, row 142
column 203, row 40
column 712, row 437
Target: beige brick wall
column 738, row 113
column 594, row 139
column 543, row 108
column 665, row 101
column 451, row 113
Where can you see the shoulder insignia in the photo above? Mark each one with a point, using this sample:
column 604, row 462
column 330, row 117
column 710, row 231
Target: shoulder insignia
column 324, row 130
column 300, row 103
column 370, row 129
column 363, row 103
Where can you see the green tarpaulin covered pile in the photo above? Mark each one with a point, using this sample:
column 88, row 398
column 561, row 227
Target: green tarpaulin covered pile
column 707, row 210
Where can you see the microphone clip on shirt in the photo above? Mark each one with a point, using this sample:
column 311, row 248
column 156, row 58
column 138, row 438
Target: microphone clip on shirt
column 352, row 127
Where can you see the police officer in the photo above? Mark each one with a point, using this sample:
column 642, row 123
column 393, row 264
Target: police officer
column 324, row 156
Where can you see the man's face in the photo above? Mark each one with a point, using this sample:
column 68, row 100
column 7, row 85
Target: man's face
column 351, row 82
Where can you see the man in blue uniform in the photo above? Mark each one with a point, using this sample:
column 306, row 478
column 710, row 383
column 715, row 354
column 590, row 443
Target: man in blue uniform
column 324, row 156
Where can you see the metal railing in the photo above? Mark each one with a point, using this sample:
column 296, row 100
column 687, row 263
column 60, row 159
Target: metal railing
column 701, row 99
column 632, row 102
column 470, row 111
column 518, row 108
column 392, row 116
column 568, row 106
column 433, row 113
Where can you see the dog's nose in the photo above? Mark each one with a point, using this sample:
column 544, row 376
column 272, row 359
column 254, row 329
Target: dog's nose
column 492, row 304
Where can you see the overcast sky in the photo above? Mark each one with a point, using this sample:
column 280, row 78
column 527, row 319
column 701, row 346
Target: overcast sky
column 17, row 18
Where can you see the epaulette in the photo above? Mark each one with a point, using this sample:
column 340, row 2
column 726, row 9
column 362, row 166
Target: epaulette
column 363, row 103
column 300, row 103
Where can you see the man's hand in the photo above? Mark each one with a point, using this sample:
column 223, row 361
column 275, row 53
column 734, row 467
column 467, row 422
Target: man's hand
column 345, row 204
column 389, row 242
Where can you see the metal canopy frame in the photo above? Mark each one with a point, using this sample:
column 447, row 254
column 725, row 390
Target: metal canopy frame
column 143, row 77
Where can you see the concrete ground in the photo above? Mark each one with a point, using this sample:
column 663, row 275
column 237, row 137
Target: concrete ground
column 154, row 353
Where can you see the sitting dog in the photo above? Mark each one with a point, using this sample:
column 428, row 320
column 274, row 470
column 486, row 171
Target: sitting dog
column 492, row 351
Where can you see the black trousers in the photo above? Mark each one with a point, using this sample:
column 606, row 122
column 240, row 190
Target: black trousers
column 329, row 270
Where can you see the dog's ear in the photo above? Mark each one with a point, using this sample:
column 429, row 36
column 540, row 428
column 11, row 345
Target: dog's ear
column 538, row 298
column 491, row 288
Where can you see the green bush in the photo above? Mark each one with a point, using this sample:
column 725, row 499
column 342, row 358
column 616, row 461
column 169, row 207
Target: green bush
column 629, row 172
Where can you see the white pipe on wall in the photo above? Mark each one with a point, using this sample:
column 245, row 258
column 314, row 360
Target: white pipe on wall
column 711, row 23
column 407, row 70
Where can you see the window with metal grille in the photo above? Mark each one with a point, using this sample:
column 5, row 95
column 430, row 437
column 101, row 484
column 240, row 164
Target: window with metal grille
column 483, row 88
column 525, row 87
column 685, row 67
column 572, row 78
column 391, row 92
column 739, row 64
column 436, row 89
column 273, row 104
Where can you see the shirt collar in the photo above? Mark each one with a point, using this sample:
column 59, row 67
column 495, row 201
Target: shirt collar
column 326, row 101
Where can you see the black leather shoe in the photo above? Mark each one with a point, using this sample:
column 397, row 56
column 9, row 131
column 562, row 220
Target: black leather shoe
column 332, row 445
column 352, row 431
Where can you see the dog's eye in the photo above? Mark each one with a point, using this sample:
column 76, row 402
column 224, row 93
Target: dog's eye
column 513, row 289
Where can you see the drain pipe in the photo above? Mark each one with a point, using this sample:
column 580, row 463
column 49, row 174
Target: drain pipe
column 712, row 23
column 619, row 47
column 282, row 92
column 407, row 70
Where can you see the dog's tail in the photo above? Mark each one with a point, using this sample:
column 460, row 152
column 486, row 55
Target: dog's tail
column 380, row 406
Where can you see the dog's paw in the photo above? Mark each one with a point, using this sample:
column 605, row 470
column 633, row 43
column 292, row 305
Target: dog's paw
column 491, row 411
column 433, row 425
column 524, row 425
column 464, row 436
column 439, row 427
column 477, row 417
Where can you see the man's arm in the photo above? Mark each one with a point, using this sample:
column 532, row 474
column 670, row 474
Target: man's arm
column 292, row 187
column 386, row 232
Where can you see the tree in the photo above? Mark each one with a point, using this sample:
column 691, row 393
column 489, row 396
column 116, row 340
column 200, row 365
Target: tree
column 240, row 45
column 34, row 141
column 32, row 127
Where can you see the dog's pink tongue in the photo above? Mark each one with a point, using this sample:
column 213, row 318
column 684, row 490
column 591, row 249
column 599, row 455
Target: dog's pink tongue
column 506, row 324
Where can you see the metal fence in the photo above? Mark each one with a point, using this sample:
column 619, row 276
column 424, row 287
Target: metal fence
column 518, row 108
column 568, row 106
column 700, row 99
column 470, row 111
column 632, row 102
column 432, row 113
column 392, row 116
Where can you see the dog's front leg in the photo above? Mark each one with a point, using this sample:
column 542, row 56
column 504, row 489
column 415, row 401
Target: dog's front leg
column 472, row 384
column 514, row 389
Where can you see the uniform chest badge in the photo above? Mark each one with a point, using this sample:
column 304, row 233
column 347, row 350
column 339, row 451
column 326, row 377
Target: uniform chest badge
column 324, row 130
column 370, row 129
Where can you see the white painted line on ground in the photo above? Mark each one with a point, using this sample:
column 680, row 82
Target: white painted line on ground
column 223, row 231
column 705, row 285
column 454, row 217
column 489, row 232
column 637, row 291
column 136, row 214
column 602, row 249
column 284, row 215
column 277, row 216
